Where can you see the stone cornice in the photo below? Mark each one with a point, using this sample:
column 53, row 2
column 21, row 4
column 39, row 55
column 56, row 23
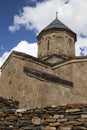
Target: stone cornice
column 73, row 60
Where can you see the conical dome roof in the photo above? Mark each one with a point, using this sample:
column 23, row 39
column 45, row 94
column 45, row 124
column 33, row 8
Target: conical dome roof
column 58, row 25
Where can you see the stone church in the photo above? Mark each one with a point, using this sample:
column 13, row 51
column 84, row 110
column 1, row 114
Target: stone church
column 57, row 76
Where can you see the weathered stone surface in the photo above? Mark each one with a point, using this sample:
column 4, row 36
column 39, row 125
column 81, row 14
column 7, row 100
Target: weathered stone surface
column 50, row 128
column 84, row 116
column 79, row 128
column 50, row 120
column 36, row 120
column 62, row 120
column 73, row 110
column 58, row 116
column 73, row 123
column 65, row 127
column 46, row 118
column 54, row 124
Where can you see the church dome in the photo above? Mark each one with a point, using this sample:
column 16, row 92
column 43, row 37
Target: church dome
column 57, row 25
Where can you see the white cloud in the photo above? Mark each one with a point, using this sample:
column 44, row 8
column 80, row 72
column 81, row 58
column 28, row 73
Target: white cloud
column 14, row 28
column 22, row 46
column 27, row 48
column 72, row 14
column 36, row 17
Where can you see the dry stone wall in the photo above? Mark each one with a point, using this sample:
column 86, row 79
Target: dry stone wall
column 69, row 117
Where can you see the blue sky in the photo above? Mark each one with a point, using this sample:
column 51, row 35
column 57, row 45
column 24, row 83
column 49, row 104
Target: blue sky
column 22, row 20
column 8, row 40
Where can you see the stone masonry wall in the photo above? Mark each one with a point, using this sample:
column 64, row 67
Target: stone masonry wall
column 65, row 117
column 28, row 90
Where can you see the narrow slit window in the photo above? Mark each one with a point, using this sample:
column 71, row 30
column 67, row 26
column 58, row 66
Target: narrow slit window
column 48, row 45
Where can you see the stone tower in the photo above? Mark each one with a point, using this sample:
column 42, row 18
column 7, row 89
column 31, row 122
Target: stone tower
column 56, row 38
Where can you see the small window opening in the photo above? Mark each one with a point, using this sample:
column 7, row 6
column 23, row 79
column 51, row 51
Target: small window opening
column 48, row 45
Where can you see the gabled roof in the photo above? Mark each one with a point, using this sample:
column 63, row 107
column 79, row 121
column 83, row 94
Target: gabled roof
column 56, row 24
column 66, row 61
column 24, row 56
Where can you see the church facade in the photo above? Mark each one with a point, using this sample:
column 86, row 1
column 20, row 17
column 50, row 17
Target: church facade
column 57, row 76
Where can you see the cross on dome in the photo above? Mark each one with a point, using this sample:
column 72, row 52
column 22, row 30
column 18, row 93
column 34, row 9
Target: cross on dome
column 57, row 15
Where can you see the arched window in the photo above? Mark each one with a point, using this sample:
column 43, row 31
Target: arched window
column 47, row 40
column 48, row 45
